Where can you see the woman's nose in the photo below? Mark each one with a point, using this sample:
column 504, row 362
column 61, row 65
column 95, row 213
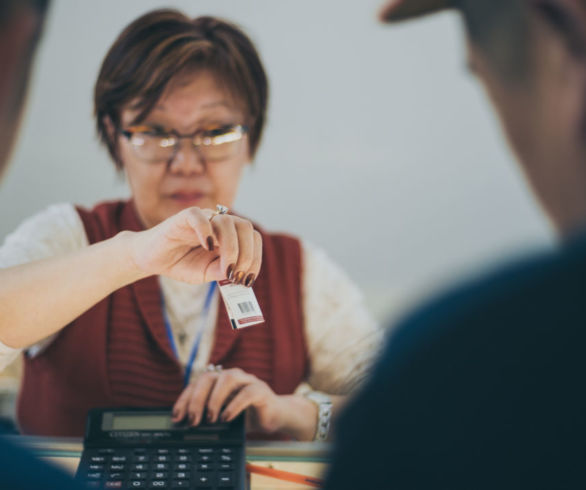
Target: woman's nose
column 187, row 159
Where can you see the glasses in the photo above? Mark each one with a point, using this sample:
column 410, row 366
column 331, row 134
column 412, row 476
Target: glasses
column 154, row 145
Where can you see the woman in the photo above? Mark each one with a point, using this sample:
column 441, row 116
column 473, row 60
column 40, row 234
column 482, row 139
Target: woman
column 118, row 312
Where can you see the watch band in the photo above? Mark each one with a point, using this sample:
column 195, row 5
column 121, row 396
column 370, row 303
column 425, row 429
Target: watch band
column 324, row 414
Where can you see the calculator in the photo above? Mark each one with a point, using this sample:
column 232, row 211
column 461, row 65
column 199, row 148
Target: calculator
column 143, row 448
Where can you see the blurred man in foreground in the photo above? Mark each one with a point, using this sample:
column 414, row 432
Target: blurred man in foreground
column 20, row 27
column 483, row 387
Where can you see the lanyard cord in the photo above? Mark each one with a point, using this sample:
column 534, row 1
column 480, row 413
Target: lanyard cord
column 201, row 327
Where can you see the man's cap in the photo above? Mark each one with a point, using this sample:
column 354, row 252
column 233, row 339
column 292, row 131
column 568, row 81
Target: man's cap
column 396, row 10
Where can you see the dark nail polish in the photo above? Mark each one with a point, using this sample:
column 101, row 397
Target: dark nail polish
column 210, row 244
column 230, row 272
column 249, row 280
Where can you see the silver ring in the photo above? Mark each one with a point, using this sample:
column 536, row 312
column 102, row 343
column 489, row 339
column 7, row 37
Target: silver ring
column 220, row 209
column 213, row 368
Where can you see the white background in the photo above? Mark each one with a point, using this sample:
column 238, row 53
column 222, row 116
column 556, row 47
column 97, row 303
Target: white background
column 379, row 146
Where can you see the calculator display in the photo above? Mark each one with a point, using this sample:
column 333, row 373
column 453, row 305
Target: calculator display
column 141, row 422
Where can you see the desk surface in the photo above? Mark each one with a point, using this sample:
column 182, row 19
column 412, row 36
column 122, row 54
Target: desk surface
column 299, row 457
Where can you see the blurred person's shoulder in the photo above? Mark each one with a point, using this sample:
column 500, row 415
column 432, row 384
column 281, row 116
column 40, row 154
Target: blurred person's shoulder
column 485, row 379
column 22, row 470
column 534, row 289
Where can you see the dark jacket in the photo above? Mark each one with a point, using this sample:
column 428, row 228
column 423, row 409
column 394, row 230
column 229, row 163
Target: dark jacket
column 483, row 388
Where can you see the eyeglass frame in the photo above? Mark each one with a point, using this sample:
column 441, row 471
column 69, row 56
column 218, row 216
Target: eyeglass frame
column 242, row 128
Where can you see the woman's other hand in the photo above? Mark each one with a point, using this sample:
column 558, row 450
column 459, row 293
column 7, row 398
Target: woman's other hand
column 225, row 394
column 196, row 246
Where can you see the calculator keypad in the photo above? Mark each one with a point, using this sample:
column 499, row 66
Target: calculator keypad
column 165, row 468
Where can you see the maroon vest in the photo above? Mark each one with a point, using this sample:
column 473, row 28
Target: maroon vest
column 118, row 354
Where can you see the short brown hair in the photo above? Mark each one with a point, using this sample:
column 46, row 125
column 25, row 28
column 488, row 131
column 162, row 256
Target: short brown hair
column 157, row 46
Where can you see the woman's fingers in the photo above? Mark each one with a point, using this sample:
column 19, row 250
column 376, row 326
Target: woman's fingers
column 256, row 260
column 248, row 396
column 225, row 230
column 180, row 248
column 210, row 392
column 229, row 382
column 245, row 233
column 200, row 223
column 194, row 403
column 240, row 248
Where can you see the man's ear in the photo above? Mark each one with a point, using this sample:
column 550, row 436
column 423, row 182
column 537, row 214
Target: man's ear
column 568, row 18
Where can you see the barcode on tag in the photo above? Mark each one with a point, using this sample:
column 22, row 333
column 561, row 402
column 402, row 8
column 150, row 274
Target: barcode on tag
column 246, row 307
column 241, row 305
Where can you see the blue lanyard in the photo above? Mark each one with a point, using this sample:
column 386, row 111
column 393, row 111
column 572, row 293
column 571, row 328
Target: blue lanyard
column 201, row 324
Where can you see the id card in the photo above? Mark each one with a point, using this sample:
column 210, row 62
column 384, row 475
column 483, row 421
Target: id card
column 241, row 305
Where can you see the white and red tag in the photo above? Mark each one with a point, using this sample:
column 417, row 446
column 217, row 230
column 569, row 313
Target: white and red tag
column 241, row 305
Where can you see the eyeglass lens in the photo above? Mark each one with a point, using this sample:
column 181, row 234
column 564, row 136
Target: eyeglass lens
column 214, row 145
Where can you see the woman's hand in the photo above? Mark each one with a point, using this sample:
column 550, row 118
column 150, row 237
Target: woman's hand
column 61, row 288
column 225, row 394
column 192, row 248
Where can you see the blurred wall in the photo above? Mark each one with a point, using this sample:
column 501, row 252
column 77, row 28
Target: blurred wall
column 379, row 146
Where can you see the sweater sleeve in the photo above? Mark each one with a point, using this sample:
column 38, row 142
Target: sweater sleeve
column 57, row 230
column 342, row 337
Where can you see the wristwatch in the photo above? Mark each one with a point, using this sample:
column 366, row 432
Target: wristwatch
column 324, row 414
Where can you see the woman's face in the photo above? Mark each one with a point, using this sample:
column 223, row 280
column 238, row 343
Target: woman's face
column 191, row 102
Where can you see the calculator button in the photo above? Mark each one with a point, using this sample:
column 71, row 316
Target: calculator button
column 118, row 459
column 225, row 466
column 181, row 484
column 184, row 458
column 161, row 466
column 140, row 467
column 181, row 475
column 113, row 484
column 117, row 467
column 183, row 451
column 141, row 458
column 97, row 459
column 162, row 457
column 93, row 484
column 158, row 484
column 138, row 475
column 225, row 480
column 96, row 467
column 96, row 475
column 162, row 451
column 205, row 450
column 115, row 476
column 225, row 458
column 160, row 475
column 204, row 458
column 182, row 466
column 204, row 467
column 203, row 481
column 106, row 451
column 226, row 450
column 137, row 484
